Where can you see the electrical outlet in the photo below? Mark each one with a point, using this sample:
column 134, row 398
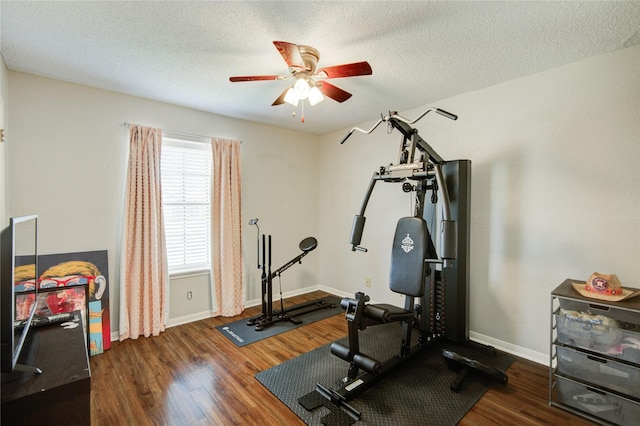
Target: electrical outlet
column 367, row 282
column 189, row 295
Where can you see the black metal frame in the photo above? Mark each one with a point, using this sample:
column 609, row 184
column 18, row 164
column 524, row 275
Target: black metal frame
column 269, row 316
column 443, row 309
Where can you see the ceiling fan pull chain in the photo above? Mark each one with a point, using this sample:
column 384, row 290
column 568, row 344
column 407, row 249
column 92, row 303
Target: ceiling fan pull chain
column 302, row 119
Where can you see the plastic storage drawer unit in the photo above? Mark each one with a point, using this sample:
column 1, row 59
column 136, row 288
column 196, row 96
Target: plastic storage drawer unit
column 594, row 356
column 600, row 371
column 611, row 341
column 608, row 406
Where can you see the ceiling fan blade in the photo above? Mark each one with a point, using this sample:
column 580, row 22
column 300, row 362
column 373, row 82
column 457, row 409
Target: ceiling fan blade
column 333, row 92
column 254, row 78
column 290, row 54
column 346, row 70
column 280, row 99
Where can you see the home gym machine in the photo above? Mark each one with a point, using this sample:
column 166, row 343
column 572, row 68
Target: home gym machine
column 269, row 316
column 438, row 278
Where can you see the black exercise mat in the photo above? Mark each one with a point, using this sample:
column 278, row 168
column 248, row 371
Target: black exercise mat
column 417, row 393
column 242, row 334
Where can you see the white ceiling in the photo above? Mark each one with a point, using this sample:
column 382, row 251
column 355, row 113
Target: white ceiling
column 420, row 51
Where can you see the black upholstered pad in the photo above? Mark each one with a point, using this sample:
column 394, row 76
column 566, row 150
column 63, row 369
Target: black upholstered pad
column 407, row 257
column 386, row 313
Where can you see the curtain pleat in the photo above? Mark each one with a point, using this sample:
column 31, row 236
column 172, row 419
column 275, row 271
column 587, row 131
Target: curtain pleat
column 144, row 272
column 227, row 284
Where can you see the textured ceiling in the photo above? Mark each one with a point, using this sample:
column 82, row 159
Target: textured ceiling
column 420, row 51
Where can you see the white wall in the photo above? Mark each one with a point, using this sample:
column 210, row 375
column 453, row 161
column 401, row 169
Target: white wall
column 4, row 89
column 555, row 193
column 67, row 162
column 556, row 186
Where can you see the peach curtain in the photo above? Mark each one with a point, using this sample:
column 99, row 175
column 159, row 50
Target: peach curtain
column 226, row 238
column 143, row 268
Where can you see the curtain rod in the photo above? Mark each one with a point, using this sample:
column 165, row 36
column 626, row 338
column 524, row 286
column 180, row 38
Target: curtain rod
column 189, row 135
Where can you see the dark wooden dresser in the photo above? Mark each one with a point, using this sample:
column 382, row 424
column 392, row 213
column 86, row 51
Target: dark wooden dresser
column 61, row 395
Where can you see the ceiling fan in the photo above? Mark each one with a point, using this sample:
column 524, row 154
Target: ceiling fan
column 302, row 61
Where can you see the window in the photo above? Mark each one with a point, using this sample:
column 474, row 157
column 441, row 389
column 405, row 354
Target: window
column 186, row 187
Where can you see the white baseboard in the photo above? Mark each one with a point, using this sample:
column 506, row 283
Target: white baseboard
column 285, row 295
column 189, row 318
column 115, row 335
column 510, row 348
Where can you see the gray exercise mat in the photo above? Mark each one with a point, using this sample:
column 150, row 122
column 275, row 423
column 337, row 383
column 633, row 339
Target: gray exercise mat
column 242, row 334
column 417, row 393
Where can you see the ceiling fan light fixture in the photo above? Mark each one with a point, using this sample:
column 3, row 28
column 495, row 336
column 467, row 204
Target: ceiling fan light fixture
column 301, row 88
column 315, row 96
column 290, row 97
column 302, row 62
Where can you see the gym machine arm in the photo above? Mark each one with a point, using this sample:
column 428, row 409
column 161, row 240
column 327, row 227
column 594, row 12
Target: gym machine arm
column 414, row 166
column 394, row 115
column 306, row 245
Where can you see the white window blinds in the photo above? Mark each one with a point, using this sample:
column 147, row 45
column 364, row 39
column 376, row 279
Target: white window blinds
column 186, row 186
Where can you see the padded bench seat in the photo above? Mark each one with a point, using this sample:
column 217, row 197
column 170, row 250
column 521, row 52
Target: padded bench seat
column 386, row 313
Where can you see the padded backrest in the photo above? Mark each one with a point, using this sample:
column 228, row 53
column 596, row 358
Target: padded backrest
column 407, row 257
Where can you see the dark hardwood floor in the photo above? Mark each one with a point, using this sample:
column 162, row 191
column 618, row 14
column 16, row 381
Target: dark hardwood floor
column 193, row 375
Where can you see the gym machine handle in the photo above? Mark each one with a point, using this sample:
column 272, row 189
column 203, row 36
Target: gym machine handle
column 447, row 114
column 359, row 219
column 347, row 136
column 394, row 115
column 356, row 233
